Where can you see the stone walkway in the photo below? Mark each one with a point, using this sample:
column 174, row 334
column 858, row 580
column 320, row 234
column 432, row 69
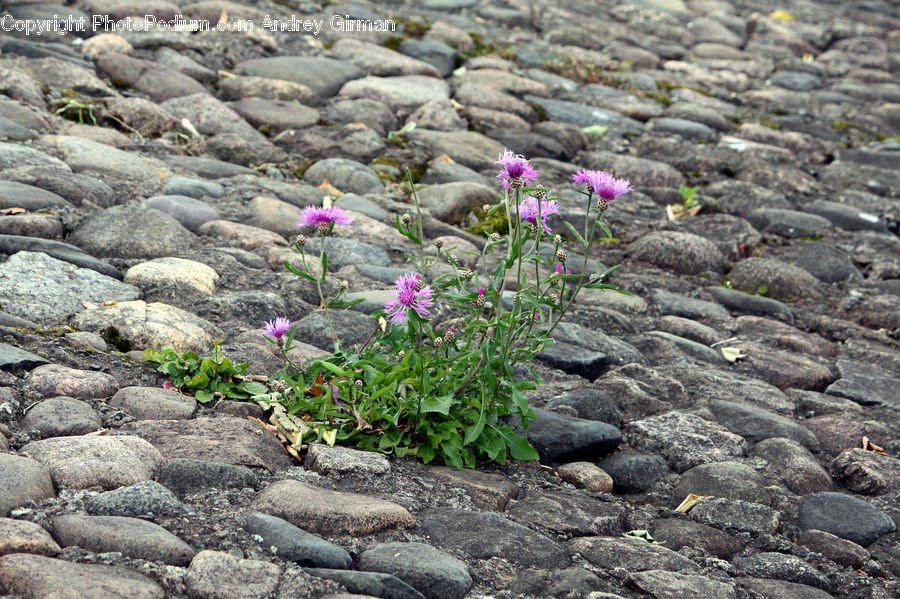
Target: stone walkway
column 150, row 184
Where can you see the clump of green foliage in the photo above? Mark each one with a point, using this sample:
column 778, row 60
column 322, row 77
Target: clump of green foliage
column 207, row 378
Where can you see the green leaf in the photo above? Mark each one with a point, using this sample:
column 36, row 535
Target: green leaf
column 199, row 380
column 440, row 405
column 606, row 230
column 293, row 269
column 253, row 388
column 521, row 401
column 425, row 452
column 575, row 233
column 474, row 431
column 337, row 370
column 203, row 395
column 596, row 130
column 451, row 455
column 154, row 355
column 519, row 448
column 208, row 366
column 324, row 266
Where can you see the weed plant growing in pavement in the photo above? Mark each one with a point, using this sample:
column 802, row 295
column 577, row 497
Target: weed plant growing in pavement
column 415, row 388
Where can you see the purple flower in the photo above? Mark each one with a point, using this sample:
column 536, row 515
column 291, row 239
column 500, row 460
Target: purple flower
column 277, row 328
column 559, row 269
column 410, row 294
column 528, row 211
column 320, row 218
column 603, row 183
column 515, row 171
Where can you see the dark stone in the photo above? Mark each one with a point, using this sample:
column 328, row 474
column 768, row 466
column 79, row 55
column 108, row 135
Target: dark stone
column 18, row 195
column 352, row 327
column 750, row 304
column 61, row 416
column 296, row 544
column 732, row 480
column 560, row 438
column 11, row 244
column 823, row 261
column 846, row 217
column 788, row 223
column 865, row 385
column 570, row 514
column 678, row 532
column 385, row 586
column 756, row 424
column 589, row 403
column 844, row 516
column 131, row 536
column 633, row 472
column 432, row 51
column 483, row 535
column 780, row 566
column 14, row 358
column 190, row 212
column 140, row 500
column 574, row 360
column 431, row 572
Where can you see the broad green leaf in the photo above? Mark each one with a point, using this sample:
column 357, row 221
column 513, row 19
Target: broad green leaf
column 199, row 380
column 474, row 431
column 451, row 455
column 208, row 366
column 440, row 405
column 203, row 395
column 333, row 368
column 425, row 452
column 293, row 269
column 154, row 355
column 253, row 388
column 519, row 448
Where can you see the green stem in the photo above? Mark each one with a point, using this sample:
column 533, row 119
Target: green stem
column 319, row 281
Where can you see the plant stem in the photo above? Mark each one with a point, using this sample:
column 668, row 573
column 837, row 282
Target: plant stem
column 319, row 281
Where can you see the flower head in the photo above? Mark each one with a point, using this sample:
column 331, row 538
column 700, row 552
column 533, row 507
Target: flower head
column 321, row 218
column 410, row 294
column 602, row 183
column 277, row 328
column 528, row 211
column 515, row 171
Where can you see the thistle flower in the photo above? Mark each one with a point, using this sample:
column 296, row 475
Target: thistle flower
column 410, row 295
column 528, row 211
column 277, row 328
column 515, row 171
column 449, row 335
column 604, row 185
column 479, row 299
column 300, row 241
column 561, row 255
column 321, row 218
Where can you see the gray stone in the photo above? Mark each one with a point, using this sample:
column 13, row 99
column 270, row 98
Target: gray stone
column 153, row 403
column 788, row 223
column 845, row 516
column 346, row 175
column 194, row 188
column 376, row 115
column 780, row 589
column 150, row 233
column 483, row 535
column 145, row 499
column 841, row 551
column 11, row 244
column 561, row 438
column 87, row 155
column 750, row 304
column 75, row 188
column 866, row 472
column 633, row 472
column 339, row 141
column 185, row 476
column 690, row 329
column 30, row 198
column 14, row 358
column 687, row 307
column 801, row 472
column 684, row 440
column 736, row 514
column 23, row 480
column 661, row 584
column 82, row 462
column 341, row 461
column 208, row 168
column 220, row 575
column 584, row 116
column 682, row 127
column 380, row 61
column 574, row 359
column 731, row 480
column 324, row 76
column 403, row 94
column 823, row 261
column 61, row 416
column 39, row 577
column 681, row 252
column 782, row 567
column 16, row 156
column 657, row 344
column 781, row 280
column 679, row 532
column 846, row 217
column 190, row 212
column 569, row 513
column 275, row 116
column 588, row 403
column 323, row 511
column 292, row 543
column 368, row 583
column 352, row 327
column 756, row 424
column 469, row 148
column 618, row 352
column 863, row 384
column 796, row 81
column 428, row 570
column 432, row 51
column 130, row 536
column 39, row 287
column 630, row 553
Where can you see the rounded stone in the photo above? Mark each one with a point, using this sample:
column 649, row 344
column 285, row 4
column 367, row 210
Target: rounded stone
column 681, row 252
column 780, row 279
column 184, row 275
column 428, row 570
column 61, row 416
column 586, row 475
column 844, row 516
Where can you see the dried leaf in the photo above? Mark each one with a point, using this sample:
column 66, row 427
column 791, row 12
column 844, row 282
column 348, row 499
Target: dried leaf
column 11, row 211
column 689, row 502
column 733, row 354
column 329, row 436
column 316, row 390
column 223, row 18
column 357, row 125
column 330, row 189
column 445, row 158
column 782, row 15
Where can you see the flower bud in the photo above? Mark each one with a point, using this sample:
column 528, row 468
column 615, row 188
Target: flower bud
column 495, row 237
column 358, row 383
column 439, row 242
column 449, row 335
column 452, row 259
column 552, row 296
column 557, row 239
column 300, row 240
column 438, row 341
column 345, row 285
column 593, row 278
column 405, row 219
column 466, row 273
column 376, row 346
column 561, row 255
column 322, row 229
column 539, row 194
column 486, row 207
column 534, row 229
column 401, row 354
column 517, row 182
column 279, row 386
column 602, row 204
